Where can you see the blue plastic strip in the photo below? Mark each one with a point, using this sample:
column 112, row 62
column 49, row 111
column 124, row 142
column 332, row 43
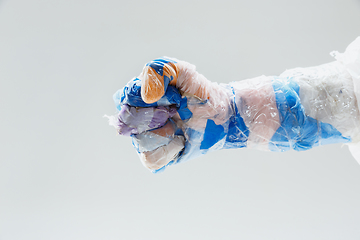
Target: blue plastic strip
column 298, row 131
column 158, row 66
column 183, row 110
column 236, row 135
column 238, row 132
column 131, row 95
column 213, row 134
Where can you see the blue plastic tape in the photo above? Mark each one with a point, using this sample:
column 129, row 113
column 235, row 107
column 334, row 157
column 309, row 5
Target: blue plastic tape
column 297, row 130
column 158, row 66
column 235, row 135
column 131, row 95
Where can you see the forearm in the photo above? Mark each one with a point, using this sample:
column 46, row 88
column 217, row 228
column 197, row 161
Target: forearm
column 273, row 115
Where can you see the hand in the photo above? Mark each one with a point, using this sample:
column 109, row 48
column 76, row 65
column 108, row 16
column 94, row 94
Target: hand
column 205, row 100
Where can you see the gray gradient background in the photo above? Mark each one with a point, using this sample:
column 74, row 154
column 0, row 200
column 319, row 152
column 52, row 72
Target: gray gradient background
column 65, row 174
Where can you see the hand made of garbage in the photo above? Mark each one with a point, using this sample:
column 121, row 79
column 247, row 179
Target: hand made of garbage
column 173, row 113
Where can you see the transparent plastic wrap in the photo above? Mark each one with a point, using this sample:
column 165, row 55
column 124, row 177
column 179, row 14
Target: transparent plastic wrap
column 174, row 114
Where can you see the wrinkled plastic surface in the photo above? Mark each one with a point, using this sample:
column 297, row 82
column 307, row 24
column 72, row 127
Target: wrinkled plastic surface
column 173, row 113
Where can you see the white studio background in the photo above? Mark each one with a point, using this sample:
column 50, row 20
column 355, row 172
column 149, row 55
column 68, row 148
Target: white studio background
column 65, row 174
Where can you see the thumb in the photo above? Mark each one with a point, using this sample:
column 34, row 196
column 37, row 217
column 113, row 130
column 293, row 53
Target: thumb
column 155, row 78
